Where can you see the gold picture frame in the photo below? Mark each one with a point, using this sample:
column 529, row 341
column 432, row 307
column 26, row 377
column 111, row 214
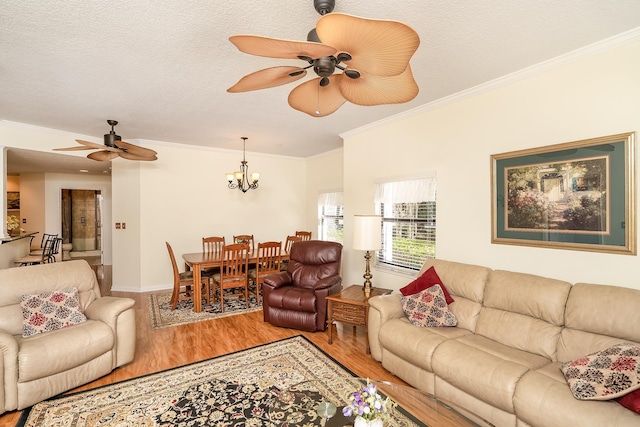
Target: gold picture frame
column 577, row 195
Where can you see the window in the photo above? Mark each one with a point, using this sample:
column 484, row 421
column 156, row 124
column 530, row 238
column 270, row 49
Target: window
column 408, row 210
column 331, row 217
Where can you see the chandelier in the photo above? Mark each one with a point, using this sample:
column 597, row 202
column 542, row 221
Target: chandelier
column 241, row 179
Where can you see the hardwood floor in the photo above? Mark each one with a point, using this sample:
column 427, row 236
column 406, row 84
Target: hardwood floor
column 159, row 349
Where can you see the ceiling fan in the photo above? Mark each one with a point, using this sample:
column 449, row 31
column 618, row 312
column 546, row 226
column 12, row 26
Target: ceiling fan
column 372, row 54
column 113, row 147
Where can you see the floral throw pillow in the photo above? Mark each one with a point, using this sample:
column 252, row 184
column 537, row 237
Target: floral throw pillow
column 607, row 374
column 428, row 308
column 49, row 311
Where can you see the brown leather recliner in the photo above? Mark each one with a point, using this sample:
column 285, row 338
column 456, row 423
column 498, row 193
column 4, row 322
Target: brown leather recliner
column 296, row 298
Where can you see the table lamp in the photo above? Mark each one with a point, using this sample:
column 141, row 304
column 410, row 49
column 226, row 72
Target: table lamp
column 367, row 236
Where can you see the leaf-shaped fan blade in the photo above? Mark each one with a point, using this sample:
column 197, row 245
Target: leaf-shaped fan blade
column 378, row 47
column 103, row 155
column 269, row 77
column 140, row 153
column 278, row 48
column 376, row 90
column 316, row 100
column 130, row 156
column 87, row 145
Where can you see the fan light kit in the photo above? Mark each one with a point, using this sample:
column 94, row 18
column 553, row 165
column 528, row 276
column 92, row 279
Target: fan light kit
column 241, row 177
column 113, row 147
column 372, row 54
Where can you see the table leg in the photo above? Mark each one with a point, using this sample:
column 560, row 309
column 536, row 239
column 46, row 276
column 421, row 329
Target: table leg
column 197, row 289
column 366, row 328
column 330, row 315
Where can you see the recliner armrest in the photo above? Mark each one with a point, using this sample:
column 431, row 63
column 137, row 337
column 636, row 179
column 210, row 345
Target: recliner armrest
column 327, row 282
column 277, row 280
column 108, row 308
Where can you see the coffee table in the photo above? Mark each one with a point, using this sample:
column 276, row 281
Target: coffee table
column 299, row 405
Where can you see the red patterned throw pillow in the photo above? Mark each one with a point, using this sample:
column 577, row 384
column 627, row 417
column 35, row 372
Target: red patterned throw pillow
column 49, row 311
column 426, row 280
column 428, row 308
column 606, row 374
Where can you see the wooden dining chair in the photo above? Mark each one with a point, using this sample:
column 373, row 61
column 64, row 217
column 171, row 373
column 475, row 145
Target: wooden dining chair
column 287, row 248
column 233, row 273
column 269, row 256
column 305, row 235
column 247, row 239
column 183, row 283
column 212, row 245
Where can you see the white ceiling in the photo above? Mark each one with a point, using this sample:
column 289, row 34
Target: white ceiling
column 162, row 68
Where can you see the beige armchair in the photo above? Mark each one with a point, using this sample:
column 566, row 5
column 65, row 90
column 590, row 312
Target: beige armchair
column 42, row 365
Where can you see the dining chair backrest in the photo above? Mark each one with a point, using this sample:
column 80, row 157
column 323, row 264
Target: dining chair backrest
column 246, row 239
column 212, row 244
column 234, row 264
column 176, row 273
column 269, row 255
column 305, row 235
column 290, row 241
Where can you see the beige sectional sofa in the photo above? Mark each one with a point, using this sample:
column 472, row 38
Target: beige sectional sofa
column 502, row 360
column 37, row 367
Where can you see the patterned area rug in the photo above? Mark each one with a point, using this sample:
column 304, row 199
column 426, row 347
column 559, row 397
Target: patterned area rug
column 162, row 315
column 276, row 384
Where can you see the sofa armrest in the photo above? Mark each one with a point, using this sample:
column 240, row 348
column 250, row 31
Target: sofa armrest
column 382, row 308
column 118, row 313
column 8, row 372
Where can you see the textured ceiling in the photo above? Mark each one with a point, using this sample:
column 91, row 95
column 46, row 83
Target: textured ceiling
column 162, row 68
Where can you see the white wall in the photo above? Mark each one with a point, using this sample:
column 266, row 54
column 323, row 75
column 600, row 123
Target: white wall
column 325, row 175
column 590, row 97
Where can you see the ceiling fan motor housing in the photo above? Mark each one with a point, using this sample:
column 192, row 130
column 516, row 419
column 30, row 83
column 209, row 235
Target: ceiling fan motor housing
column 324, row 67
column 324, row 6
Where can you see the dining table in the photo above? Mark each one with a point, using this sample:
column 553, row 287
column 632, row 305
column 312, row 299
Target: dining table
column 198, row 261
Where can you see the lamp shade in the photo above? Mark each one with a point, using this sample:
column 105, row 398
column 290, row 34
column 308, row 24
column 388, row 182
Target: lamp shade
column 367, row 233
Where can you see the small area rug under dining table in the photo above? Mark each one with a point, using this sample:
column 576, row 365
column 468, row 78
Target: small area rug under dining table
column 253, row 387
column 163, row 316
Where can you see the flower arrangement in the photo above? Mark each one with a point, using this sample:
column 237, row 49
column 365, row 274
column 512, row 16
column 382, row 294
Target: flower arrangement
column 12, row 222
column 367, row 404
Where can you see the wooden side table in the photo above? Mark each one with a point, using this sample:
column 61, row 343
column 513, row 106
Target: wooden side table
column 351, row 306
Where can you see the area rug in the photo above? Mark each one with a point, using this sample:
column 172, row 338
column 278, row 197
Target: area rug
column 276, row 384
column 162, row 316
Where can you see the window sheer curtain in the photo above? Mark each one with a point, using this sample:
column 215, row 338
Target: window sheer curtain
column 408, row 222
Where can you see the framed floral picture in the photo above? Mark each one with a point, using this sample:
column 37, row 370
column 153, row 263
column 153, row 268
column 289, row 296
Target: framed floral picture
column 577, row 195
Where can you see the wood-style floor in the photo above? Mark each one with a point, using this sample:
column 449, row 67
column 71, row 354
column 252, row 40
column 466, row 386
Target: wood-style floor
column 159, row 349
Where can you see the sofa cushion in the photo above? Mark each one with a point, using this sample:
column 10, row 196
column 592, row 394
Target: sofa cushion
column 43, row 355
column 545, row 391
column 426, row 280
column 606, row 374
column 529, row 310
column 484, row 368
column 631, row 401
column 49, row 311
column 413, row 344
column 428, row 308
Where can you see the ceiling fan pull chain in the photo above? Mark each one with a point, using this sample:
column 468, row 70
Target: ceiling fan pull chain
column 318, row 109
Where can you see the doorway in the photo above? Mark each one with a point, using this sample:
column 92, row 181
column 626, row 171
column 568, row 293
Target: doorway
column 82, row 224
